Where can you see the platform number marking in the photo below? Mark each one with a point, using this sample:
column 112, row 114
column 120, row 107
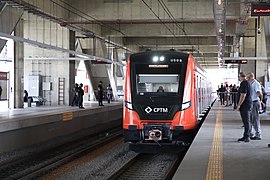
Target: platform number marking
column 67, row 116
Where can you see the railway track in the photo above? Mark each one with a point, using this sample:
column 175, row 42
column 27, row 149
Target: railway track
column 36, row 165
column 149, row 166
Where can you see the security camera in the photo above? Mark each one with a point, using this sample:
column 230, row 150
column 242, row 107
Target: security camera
column 259, row 30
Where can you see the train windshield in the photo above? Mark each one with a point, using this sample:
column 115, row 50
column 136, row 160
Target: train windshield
column 161, row 83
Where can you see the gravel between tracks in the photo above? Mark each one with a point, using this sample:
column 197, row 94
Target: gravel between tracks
column 100, row 167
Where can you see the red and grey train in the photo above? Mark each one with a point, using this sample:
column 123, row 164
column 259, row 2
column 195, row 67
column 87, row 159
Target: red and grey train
column 164, row 96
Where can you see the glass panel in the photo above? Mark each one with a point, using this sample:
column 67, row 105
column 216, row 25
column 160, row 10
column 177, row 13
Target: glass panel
column 157, row 83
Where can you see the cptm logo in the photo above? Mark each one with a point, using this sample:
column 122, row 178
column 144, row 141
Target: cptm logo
column 148, row 110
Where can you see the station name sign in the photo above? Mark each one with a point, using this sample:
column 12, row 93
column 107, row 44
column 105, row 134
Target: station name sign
column 260, row 9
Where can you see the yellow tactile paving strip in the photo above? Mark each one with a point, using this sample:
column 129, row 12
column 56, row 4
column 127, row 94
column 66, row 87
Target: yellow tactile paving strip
column 215, row 163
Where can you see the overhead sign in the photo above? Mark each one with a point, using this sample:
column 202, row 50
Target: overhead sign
column 232, row 61
column 260, row 9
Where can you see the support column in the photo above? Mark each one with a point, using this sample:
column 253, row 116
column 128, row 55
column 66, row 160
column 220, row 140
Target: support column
column 255, row 46
column 18, row 68
column 261, row 66
column 72, row 70
column 249, row 48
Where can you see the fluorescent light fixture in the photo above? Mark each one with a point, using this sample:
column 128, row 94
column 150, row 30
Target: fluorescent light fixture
column 219, row 2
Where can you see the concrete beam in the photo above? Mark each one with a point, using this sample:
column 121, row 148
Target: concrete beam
column 149, row 29
column 209, row 55
column 207, row 40
column 47, row 46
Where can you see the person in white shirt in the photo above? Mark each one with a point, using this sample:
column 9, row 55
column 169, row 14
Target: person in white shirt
column 256, row 95
column 109, row 93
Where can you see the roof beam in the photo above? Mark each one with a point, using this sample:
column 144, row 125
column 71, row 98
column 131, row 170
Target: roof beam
column 207, row 40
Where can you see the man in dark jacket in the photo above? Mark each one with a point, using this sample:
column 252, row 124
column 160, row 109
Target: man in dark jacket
column 75, row 98
column 244, row 105
column 264, row 100
column 221, row 92
column 80, row 96
column 100, row 93
column 0, row 92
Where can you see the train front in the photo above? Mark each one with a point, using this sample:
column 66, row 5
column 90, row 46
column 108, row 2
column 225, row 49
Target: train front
column 154, row 102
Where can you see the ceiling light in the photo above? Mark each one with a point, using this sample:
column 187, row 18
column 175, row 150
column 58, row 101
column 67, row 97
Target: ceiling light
column 219, row 2
column 220, row 30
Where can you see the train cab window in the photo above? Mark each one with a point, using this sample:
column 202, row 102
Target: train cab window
column 157, row 83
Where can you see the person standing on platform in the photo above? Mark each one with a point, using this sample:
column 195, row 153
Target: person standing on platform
column 256, row 95
column 234, row 96
column 25, row 96
column 100, row 94
column 227, row 95
column 80, row 96
column 0, row 92
column 221, row 91
column 244, row 105
column 75, row 98
column 264, row 100
column 109, row 93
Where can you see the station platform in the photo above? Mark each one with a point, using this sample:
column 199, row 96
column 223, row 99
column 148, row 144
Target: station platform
column 216, row 154
column 31, row 125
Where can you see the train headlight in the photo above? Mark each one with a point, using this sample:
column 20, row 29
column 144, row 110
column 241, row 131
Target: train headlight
column 186, row 105
column 128, row 105
column 155, row 58
column 162, row 58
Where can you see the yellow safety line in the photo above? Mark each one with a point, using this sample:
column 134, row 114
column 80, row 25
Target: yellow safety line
column 215, row 163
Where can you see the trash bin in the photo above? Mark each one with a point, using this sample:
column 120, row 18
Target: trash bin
column 29, row 101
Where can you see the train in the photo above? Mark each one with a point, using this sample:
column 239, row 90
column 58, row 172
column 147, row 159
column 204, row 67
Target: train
column 166, row 94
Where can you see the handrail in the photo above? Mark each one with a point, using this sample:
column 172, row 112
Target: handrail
column 2, row 5
column 210, row 99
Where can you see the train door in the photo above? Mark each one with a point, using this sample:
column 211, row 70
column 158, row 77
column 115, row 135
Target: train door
column 4, row 94
column 197, row 96
column 201, row 95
